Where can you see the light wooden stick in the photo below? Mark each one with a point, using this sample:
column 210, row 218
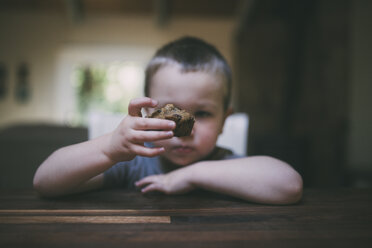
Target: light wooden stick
column 84, row 219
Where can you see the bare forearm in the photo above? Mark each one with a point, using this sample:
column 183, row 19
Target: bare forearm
column 259, row 179
column 70, row 167
column 79, row 167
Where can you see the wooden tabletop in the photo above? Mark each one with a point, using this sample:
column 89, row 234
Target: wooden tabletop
column 324, row 218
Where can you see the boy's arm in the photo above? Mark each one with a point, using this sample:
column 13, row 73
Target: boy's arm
column 73, row 169
column 259, row 179
column 79, row 167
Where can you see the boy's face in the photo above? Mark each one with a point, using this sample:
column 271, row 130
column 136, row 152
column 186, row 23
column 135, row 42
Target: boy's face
column 199, row 93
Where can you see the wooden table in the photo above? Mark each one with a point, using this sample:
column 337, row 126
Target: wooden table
column 324, row 218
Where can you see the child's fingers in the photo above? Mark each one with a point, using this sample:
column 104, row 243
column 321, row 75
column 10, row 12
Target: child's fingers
column 147, row 151
column 150, row 183
column 146, row 180
column 135, row 105
column 150, row 136
column 151, row 188
column 153, row 124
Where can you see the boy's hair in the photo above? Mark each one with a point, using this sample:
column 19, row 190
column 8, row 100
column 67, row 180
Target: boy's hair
column 192, row 54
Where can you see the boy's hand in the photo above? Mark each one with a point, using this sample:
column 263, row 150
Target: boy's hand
column 175, row 182
column 129, row 137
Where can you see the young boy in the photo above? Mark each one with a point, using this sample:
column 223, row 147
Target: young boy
column 142, row 152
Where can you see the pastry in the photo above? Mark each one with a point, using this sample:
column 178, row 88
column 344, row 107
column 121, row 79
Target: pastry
column 184, row 120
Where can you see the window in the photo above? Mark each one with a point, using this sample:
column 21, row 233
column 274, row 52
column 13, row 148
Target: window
column 106, row 88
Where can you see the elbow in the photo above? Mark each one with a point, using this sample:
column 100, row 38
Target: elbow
column 40, row 187
column 292, row 192
column 36, row 182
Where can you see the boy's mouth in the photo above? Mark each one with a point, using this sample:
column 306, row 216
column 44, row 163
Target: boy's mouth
column 183, row 149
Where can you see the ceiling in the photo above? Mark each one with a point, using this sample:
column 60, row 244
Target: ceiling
column 193, row 8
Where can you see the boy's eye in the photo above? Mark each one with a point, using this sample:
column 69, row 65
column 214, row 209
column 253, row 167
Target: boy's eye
column 202, row 114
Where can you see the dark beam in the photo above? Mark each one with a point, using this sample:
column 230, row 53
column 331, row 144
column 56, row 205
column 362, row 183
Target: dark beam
column 162, row 12
column 244, row 10
column 75, row 10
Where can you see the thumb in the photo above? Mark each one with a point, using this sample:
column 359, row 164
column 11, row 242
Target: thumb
column 135, row 105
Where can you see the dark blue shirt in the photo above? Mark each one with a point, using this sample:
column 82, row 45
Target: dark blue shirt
column 125, row 174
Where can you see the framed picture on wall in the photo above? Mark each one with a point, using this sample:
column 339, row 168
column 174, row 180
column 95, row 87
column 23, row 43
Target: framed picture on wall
column 3, row 81
column 22, row 90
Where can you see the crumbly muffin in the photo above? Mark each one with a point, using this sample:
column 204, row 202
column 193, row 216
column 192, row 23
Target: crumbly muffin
column 184, row 120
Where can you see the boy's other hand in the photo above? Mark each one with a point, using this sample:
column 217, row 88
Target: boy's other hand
column 175, row 182
column 128, row 139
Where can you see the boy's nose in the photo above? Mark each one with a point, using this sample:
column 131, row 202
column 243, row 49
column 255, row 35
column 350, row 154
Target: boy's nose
column 192, row 131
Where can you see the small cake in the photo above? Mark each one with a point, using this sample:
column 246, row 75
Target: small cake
column 184, row 120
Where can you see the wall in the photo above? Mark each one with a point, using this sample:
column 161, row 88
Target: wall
column 45, row 41
column 293, row 68
column 360, row 139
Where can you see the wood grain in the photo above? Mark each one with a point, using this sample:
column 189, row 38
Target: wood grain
column 339, row 218
column 84, row 219
column 120, row 211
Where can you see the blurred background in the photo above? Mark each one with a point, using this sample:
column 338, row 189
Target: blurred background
column 302, row 73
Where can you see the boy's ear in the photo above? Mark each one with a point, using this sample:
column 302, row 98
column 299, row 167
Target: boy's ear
column 228, row 112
